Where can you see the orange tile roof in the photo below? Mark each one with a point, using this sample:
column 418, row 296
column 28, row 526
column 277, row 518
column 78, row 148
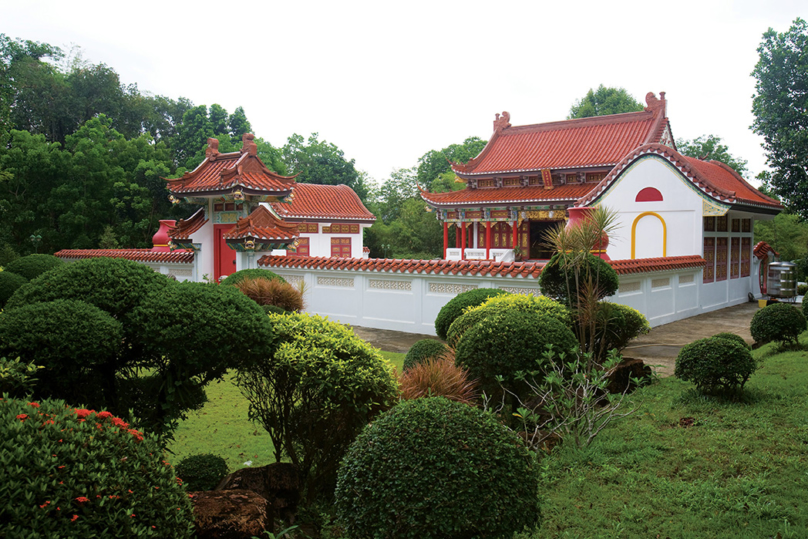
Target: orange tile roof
column 467, row 267
column 532, row 193
column 762, row 250
column 585, row 142
column 315, row 201
column 262, row 224
column 186, row 227
column 224, row 172
column 137, row 255
column 714, row 179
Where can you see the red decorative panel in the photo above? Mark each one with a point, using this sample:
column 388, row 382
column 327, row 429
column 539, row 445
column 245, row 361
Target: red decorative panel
column 572, row 178
column 746, row 225
column 535, row 180
column 341, row 247
column 341, row 229
column 709, row 256
column 746, row 255
column 474, row 215
column 302, row 248
column 709, row 224
column 721, row 259
column 595, row 176
column 500, row 214
column 736, row 225
column 735, row 257
column 721, row 223
column 510, row 182
column 501, row 236
column 451, row 215
column 524, row 236
column 485, row 183
column 308, row 227
column 547, row 178
column 649, row 194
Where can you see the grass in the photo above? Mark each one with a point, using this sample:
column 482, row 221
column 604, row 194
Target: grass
column 223, row 428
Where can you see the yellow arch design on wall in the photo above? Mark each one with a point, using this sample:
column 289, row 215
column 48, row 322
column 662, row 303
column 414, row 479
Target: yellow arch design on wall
column 634, row 233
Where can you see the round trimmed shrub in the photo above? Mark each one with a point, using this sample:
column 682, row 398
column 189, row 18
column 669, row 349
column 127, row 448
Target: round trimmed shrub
column 554, row 278
column 201, row 472
column 9, row 283
column 436, row 468
column 32, row 266
column 510, row 342
column 423, row 350
column 74, row 473
column 779, row 322
column 500, row 304
column 732, row 337
column 237, row 277
column 73, row 341
column 620, row 324
column 715, row 364
column 455, row 307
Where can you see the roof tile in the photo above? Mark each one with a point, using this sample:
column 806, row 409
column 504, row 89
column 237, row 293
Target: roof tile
column 264, row 225
column 316, row 201
column 137, row 255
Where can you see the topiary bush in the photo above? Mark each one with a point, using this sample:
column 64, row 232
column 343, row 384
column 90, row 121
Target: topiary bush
column 715, row 364
column 557, row 278
column 732, row 337
column 421, row 351
column 439, row 377
column 201, row 472
column 500, row 304
column 68, row 472
column 455, row 307
column 272, row 292
column 802, row 289
column 436, row 468
column 779, row 322
column 33, row 266
column 618, row 325
column 317, row 391
column 9, row 283
column 509, row 342
column 237, row 277
column 74, row 342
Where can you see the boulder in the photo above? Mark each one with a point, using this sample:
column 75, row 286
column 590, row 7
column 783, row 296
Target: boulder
column 230, row 514
column 278, row 483
column 620, row 376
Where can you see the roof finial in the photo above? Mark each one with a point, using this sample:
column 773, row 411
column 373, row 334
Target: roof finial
column 655, row 104
column 247, row 144
column 502, row 121
column 213, row 148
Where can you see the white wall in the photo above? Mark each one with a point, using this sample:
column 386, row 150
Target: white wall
column 320, row 243
column 204, row 256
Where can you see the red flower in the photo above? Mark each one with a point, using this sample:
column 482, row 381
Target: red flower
column 132, row 515
column 34, row 404
column 48, row 422
column 103, row 415
column 22, row 417
column 74, row 519
column 118, row 422
column 82, row 499
column 83, row 413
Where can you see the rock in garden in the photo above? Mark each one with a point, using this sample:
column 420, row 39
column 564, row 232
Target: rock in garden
column 278, row 483
column 230, row 514
column 620, row 378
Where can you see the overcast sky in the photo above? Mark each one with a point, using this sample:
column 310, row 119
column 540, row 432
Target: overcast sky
column 387, row 82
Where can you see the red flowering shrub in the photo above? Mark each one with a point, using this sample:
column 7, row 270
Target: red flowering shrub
column 67, row 472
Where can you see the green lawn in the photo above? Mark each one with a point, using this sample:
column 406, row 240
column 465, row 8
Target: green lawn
column 221, row 427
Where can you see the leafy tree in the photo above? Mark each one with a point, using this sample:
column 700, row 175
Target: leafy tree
column 780, row 106
column 434, row 165
column 322, row 162
column 710, row 147
column 786, row 233
column 604, row 101
column 393, row 192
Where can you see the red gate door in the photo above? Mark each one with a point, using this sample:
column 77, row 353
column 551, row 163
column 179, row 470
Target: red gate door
column 224, row 258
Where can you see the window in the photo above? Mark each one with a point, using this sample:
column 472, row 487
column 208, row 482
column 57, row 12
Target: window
column 721, row 259
column 308, row 227
column 736, row 225
column 721, row 223
column 341, row 247
column 572, row 178
column 595, row 176
column 709, row 224
column 746, row 225
column 709, row 256
column 735, row 258
column 302, row 248
column 341, row 229
column 746, row 255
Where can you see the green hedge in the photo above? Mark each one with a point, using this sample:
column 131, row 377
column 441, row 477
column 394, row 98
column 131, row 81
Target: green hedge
column 9, row 283
column 421, row 351
column 68, row 472
column 237, row 277
column 779, row 322
column 455, row 307
column 559, row 283
column 618, row 325
column 32, row 266
column 201, row 472
column 436, row 468
column 715, row 364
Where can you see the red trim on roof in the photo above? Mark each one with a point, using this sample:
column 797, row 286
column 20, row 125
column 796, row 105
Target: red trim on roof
column 467, row 267
column 715, row 179
column 186, row 227
column 532, row 193
column 262, row 224
column 316, row 201
column 137, row 255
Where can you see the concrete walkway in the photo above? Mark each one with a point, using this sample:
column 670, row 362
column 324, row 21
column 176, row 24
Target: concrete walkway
column 659, row 348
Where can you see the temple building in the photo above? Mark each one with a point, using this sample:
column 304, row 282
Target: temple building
column 528, row 178
column 247, row 210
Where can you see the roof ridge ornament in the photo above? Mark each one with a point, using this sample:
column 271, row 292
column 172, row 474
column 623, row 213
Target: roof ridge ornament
column 213, row 149
column 502, row 121
column 655, row 104
column 247, row 144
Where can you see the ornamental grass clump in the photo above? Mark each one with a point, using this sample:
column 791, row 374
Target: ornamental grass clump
column 779, row 322
column 436, row 468
column 201, row 472
column 272, row 292
column 715, row 365
column 68, row 472
column 460, row 303
column 423, row 350
column 439, row 376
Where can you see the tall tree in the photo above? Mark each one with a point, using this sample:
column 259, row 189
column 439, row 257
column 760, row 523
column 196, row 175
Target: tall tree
column 319, row 161
column 434, row 164
column 604, row 101
column 780, row 106
column 710, row 147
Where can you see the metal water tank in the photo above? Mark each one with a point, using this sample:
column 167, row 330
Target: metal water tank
column 782, row 280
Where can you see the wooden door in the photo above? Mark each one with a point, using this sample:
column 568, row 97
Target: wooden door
column 224, row 258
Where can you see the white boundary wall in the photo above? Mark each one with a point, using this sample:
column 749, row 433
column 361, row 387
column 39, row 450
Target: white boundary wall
column 410, row 302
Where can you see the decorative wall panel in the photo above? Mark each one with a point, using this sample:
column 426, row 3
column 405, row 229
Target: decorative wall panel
column 686, row 279
column 660, row 282
column 380, row 284
column 523, row 291
column 347, row 282
column 633, row 286
column 445, row 288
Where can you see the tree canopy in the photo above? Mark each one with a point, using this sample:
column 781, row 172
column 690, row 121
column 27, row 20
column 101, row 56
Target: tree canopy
column 780, row 106
column 603, row 101
column 320, row 161
column 433, row 166
column 711, row 147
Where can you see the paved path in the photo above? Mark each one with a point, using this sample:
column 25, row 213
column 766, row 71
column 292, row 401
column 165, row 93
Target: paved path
column 660, row 347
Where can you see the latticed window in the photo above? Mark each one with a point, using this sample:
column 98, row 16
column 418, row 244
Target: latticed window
column 302, row 248
column 308, row 227
column 341, row 247
column 595, row 176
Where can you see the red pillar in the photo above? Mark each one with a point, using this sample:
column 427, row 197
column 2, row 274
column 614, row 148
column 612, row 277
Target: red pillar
column 457, row 235
column 463, row 243
column 487, row 240
column 445, row 238
column 515, row 234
